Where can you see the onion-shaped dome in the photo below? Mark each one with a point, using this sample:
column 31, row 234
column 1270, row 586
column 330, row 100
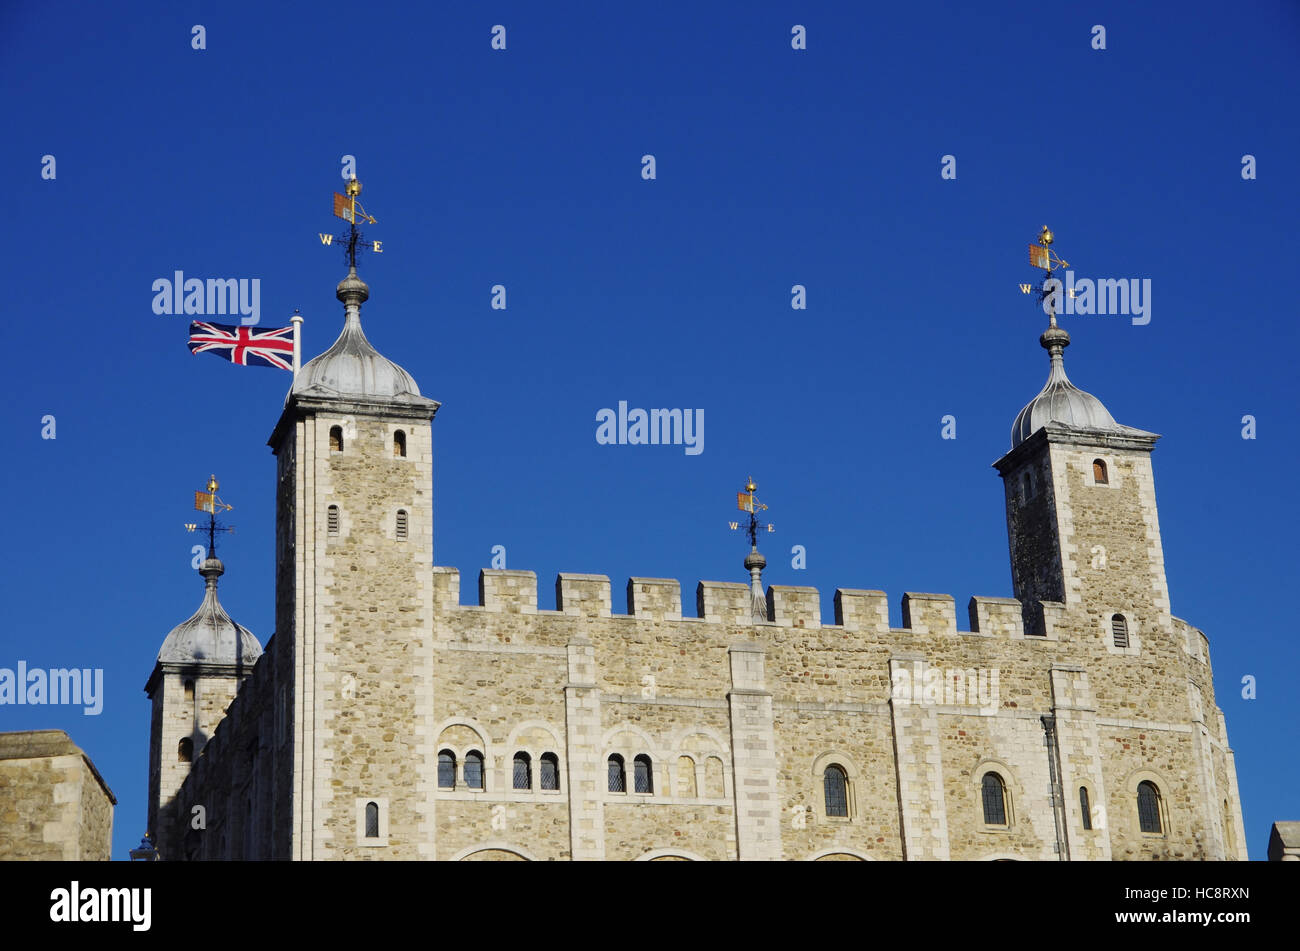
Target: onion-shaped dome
column 210, row 636
column 1060, row 401
column 352, row 368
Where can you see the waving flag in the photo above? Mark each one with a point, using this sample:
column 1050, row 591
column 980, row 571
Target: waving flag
column 247, row 346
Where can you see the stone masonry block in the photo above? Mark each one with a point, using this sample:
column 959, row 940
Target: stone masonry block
column 929, row 613
column 655, row 598
column 508, row 592
column 723, row 602
column 858, row 610
column 1001, row 617
column 582, row 595
column 794, row 606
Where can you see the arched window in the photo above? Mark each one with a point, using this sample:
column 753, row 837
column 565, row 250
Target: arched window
column 336, row 439
column 332, row 520
column 474, row 769
column 1119, row 629
column 399, row 444
column 715, row 786
column 523, row 771
column 686, row 777
column 446, row 770
column 550, row 778
column 835, row 783
column 995, row 800
column 185, row 751
column 189, row 690
column 1028, row 484
column 1099, row 472
column 617, row 774
column 372, row 820
column 642, row 775
column 1085, row 808
column 1149, row 807
column 401, row 525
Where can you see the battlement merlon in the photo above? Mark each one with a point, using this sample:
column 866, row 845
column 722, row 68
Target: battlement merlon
column 1194, row 642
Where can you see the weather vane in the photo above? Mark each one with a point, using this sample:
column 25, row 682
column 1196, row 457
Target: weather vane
column 1042, row 256
column 349, row 209
column 754, row 561
column 746, row 502
column 208, row 502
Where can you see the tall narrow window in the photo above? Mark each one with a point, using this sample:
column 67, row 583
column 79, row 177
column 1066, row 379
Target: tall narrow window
column 401, row 525
column 835, row 784
column 617, row 774
column 399, row 444
column 446, row 770
column 474, row 769
column 715, row 785
column 550, row 777
column 1028, row 483
column 523, row 771
column 332, row 520
column 1119, row 628
column 189, row 690
column 185, row 751
column 686, row 777
column 1084, row 807
column 1149, row 807
column 372, row 820
column 336, row 439
column 995, row 800
column 1099, row 472
column 643, row 775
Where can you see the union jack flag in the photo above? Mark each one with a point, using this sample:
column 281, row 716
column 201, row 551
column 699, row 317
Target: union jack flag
column 246, row 346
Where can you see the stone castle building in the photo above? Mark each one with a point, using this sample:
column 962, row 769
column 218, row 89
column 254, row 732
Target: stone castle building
column 387, row 720
column 54, row 805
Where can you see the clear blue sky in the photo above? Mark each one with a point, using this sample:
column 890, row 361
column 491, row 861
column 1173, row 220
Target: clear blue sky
column 775, row 167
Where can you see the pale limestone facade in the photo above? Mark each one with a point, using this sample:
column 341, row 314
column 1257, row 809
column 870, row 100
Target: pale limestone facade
column 331, row 749
column 54, row 805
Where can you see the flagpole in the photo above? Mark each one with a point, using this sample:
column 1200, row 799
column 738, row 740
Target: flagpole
column 296, row 320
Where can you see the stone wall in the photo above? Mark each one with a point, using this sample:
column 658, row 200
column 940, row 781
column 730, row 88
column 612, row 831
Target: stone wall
column 54, row 805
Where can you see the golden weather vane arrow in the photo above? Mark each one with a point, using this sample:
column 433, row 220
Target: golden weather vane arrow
column 208, row 502
column 1043, row 257
column 349, row 209
column 746, row 502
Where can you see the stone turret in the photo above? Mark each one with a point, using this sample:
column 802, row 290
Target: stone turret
column 199, row 668
column 354, row 600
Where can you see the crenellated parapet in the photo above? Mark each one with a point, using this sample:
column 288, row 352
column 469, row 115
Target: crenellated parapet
column 862, row 611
